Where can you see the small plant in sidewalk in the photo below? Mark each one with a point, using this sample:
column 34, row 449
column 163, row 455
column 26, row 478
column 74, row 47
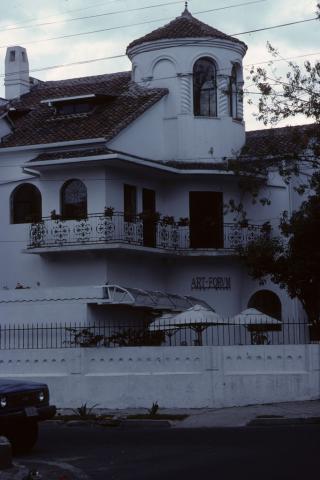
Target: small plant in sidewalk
column 154, row 409
column 85, row 412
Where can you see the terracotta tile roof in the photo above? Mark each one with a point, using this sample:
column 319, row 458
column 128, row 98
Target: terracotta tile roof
column 278, row 141
column 122, row 103
column 185, row 26
column 197, row 165
column 260, row 144
column 62, row 155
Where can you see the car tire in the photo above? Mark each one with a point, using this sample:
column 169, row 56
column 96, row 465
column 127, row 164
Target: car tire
column 23, row 436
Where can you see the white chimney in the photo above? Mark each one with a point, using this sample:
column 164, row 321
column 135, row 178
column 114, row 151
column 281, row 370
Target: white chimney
column 16, row 81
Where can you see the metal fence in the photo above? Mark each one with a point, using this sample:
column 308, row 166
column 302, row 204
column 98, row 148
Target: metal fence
column 229, row 333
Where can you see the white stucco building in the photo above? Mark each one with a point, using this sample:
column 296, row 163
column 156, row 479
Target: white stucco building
column 122, row 179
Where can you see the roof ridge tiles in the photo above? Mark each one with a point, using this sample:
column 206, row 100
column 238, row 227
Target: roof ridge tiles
column 81, row 80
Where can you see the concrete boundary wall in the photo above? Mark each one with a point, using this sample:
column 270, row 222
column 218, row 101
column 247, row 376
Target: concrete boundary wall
column 185, row 377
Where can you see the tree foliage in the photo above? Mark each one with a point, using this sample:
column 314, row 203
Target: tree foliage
column 292, row 259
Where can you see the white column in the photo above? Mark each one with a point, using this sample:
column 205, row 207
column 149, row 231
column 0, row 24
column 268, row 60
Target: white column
column 240, row 100
column 186, row 94
column 222, row 95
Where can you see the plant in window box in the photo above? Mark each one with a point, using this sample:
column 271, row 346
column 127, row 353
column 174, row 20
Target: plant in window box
column 108, row 212
column 167, row 220
column 183, row 222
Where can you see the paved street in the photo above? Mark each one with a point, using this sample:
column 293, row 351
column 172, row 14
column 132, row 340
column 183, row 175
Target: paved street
column 96, row 453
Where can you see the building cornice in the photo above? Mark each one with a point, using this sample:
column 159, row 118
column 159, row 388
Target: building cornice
column 186, row 42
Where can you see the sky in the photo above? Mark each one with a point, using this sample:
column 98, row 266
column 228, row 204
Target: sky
column 36, row 24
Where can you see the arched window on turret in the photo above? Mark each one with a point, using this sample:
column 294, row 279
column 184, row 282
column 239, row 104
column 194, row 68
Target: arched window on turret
column 26, row 204
column 233, row 93
column 73, row 200
column 204, row 88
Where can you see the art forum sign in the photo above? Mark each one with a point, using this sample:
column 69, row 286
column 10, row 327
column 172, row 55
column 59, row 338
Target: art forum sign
column 211, row 283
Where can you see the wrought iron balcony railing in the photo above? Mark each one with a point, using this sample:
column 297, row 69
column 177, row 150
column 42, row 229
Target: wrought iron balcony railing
column 118, row 228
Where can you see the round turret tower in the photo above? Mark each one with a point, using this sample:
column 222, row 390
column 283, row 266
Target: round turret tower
column 202, row 69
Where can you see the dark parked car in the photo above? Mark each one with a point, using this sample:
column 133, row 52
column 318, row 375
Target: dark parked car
column 22, row 405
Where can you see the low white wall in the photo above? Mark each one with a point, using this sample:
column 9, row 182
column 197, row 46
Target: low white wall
column 193, row 377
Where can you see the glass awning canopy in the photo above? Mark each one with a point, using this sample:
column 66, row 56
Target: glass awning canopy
column 152, row 299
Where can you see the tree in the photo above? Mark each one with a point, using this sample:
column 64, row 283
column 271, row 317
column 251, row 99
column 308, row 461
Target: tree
column 292, row 259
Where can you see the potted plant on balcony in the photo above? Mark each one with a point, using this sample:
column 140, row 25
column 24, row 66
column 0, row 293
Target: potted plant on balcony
column 108, row 212
column 183, row 222
column 54, row 215
column 167, row 220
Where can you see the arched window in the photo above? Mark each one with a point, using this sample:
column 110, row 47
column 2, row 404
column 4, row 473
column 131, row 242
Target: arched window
column 204, row 88
column 26, row 204
column 73, row 200
column 266, row 302
column 233, row 93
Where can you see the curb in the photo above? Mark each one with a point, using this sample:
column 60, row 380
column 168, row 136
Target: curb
column 17, row 472
column 283, row 421
column 120, row 422
column 145, row 423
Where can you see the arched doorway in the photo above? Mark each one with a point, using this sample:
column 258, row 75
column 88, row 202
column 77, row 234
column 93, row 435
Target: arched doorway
column 266, row 302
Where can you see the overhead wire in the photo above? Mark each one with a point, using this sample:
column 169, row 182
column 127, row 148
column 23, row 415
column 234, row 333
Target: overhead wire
column 129, row 10
column 64, row 13
column 146, row 7
column 122, row 55
column 100, row 30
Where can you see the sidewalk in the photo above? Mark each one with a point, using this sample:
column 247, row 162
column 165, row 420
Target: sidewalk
column 237, row 416
column 242, row 416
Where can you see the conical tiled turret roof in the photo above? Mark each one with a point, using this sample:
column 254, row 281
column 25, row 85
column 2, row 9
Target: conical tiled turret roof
column 185, row 26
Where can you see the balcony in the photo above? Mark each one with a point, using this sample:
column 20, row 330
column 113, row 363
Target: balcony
column 117, row 231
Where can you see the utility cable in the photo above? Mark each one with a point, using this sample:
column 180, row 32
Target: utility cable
column 147, row 7
column 96, row 16
column 122, row 55
column 91, row 32
column 60, row 14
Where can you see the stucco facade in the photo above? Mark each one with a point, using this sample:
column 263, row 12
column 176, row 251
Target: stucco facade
column 166, row 149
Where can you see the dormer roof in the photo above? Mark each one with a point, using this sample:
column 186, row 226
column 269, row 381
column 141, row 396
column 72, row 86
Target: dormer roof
column 184, row 26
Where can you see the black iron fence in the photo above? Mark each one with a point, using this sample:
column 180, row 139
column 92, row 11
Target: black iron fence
column 164, row 333
column 131, row 230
